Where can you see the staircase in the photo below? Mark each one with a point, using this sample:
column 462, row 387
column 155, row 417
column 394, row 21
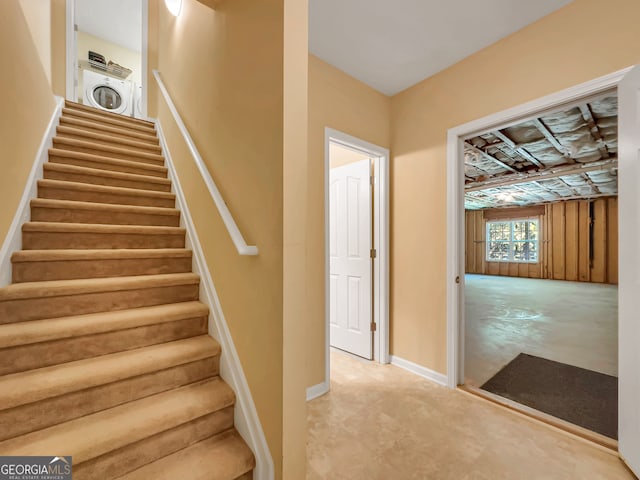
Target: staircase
column 104, row 351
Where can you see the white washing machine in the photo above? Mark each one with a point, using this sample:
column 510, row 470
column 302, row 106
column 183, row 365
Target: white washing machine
column 137, row 101
column 107, row 93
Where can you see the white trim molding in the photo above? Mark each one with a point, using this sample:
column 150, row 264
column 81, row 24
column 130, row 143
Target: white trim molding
column 455, row 199
column 380, row 157
column 246, row 418
column 227, row 218
column 317, row 390
column 13, row 241
column 424, row 372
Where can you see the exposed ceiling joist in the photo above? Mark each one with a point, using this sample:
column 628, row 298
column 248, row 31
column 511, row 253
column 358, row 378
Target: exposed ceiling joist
column 518, row 148
column 575, row 169
column 595, row 131
column 491, row 158
column 550, row 137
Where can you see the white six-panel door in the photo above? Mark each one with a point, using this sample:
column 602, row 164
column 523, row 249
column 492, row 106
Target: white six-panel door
column 349, row 258
column 629, row 281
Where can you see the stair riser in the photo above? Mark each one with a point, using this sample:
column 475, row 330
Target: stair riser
column 75, row 269
column 131, row 457
column 129, row 120
column 121, row 133
column 106, row 153
column 110, row 198
column 62, row 215
column 105, row 181
column 80, row 162
column 108, row 121
column 77, row 240
column 63, row 306
column 44, row 354
column 108, row 140
column 35, row 416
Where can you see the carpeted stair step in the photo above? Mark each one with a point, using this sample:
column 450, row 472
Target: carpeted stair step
column 29, row 399
column 107, row 140
column 126, row 437
column 223, row 457
column 117, row 152
column 95, row 176
column 46, row 265
column 83, row 192
column 115, row 116
column 96, row 116
column 120, row 132
column 41, row 343
column 68, row 211
column 38, row 300
column 69, row 157
column 75, row 236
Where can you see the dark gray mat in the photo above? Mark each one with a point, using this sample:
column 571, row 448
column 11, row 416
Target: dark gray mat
column 583, row 397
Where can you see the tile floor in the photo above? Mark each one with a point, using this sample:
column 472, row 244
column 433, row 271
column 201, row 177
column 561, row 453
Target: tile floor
column 380, row 422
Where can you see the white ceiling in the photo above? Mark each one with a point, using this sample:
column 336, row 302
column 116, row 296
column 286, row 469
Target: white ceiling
column 117, row 21
column 394, row 44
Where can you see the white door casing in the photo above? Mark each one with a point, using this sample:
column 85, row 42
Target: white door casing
column 350, row 261
column 629, row 269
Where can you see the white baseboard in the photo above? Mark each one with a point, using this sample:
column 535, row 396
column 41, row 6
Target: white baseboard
column 13, row 241
column 424, row 372
column 246, row 417
column 318, row 390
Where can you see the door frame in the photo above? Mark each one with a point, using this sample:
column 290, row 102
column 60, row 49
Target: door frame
column 455, row 200
column 380, row 272
column 71, row 91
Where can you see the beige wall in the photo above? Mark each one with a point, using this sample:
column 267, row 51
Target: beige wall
column 224, row 71
column 295, row 271
column 37, row 13
column 341, row 102
column 555, row 53
column 58, row 46
column 27, row 108
column 120, row 55
column 339, row 156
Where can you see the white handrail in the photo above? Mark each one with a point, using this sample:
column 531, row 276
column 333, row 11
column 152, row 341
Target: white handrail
column 227, row 218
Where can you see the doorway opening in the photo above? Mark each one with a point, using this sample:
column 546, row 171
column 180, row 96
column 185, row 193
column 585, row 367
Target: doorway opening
column 356, row 250
column 107, row 55
column 540, row 232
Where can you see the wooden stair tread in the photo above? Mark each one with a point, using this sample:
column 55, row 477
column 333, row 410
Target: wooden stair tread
column 62, row 184
column 102, row 207
column 101, row 118
column 35, row 385
column 59, row 152
column 62, row 167
column 122, row 143
column 223, row 457
column 25, row 333
column 73, row 142
column 94, row 435
column 97, row 111
column 57, row 288
column 89, row 125
column 100, row 228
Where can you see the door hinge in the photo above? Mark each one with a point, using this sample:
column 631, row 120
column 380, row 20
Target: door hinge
column 372, row 180
column 75, row 27
column 373, row 253
column 374, row 327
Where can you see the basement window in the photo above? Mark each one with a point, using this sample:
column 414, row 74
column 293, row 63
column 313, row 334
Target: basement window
column 513, row 241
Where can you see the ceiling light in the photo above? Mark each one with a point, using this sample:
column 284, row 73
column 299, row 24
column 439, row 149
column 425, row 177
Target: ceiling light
column 174, row 6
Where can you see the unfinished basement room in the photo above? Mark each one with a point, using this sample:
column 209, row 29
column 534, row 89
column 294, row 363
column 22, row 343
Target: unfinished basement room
column 541, row 262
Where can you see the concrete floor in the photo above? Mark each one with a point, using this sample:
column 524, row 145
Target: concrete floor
column 569, row 322
column 379, row 422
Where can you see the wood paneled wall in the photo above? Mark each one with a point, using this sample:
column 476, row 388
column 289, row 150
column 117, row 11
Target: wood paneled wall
column 578, row 242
